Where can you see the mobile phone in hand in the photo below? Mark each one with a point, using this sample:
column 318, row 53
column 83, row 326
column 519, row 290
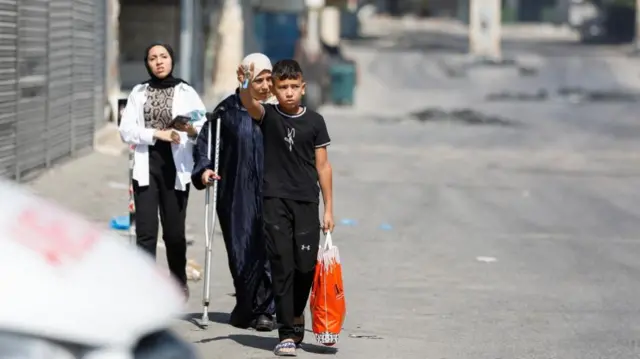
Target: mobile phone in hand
column 180, row 120
column 247, row 75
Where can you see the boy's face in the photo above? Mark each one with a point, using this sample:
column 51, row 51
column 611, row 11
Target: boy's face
column 289, row 92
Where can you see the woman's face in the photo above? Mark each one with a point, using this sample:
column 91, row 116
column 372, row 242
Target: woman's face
column 261, row 85
column 159, row 61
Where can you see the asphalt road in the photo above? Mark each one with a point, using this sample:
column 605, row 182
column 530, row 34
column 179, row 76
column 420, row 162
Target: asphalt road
column 482, row 241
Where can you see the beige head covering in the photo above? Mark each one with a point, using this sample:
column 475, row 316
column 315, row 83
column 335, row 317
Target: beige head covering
column 260, row 63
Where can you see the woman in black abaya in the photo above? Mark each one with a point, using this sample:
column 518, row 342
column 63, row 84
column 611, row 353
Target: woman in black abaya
column 240, row 199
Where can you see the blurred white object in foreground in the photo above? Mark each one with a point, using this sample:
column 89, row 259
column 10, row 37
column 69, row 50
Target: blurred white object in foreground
column 72, row 291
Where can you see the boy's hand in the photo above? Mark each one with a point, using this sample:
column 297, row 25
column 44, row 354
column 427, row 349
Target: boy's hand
column 327, row 222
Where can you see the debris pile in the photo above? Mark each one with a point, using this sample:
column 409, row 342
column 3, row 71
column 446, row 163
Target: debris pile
column 570, row 94
column 579, row 94
column 540, row 95
column 463, row 116
column 461, row 69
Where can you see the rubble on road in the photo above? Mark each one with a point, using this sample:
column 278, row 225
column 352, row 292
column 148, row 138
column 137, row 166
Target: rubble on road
column 462, row 116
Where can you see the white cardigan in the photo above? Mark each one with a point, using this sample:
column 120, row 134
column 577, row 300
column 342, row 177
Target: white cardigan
column 132, row 131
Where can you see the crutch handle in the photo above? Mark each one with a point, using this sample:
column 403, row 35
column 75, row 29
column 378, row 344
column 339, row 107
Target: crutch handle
column 215, row 114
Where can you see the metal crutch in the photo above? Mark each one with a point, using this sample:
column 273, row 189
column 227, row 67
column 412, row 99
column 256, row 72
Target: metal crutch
column 210, row 222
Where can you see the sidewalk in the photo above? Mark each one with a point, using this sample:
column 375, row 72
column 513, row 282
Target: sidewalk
column 94, row 185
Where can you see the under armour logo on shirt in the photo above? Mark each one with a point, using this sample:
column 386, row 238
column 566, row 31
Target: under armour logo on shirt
column 291, row 134
column 306, row 248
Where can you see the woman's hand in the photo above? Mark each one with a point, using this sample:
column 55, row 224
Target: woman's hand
column 208, row 177
column 188, row 128
column 168, row 136
column 244, row 73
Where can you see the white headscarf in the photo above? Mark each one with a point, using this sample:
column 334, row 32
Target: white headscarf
column 260, row 63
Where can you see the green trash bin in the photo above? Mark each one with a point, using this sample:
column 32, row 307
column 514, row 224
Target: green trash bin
column 343, row 82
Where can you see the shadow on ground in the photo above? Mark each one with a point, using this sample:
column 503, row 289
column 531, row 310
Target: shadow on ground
column 266, row 343
column 214, row 317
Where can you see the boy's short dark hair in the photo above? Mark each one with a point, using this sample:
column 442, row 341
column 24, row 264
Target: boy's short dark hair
column 286, row 70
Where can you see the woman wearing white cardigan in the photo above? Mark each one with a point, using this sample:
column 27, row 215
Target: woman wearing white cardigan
column 163, row 157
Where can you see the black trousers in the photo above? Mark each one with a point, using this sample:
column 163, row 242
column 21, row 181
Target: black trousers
column 292, row 236
column 162, row 196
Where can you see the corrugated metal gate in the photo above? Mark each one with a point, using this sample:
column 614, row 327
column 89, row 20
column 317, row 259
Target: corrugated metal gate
column 52, row 72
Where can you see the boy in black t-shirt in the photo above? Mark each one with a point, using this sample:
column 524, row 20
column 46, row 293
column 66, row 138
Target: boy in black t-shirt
column 295, row 155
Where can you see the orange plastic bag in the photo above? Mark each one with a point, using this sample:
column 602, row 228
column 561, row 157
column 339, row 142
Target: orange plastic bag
column 327, row 302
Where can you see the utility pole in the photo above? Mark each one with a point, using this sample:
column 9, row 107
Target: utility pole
column 312, row 42
column 485, row 20
column 112, row 80
column 330, row 26
column 186, row 38
column 637, row 38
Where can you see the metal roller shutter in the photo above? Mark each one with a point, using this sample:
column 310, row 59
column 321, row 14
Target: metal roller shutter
column 83, row 74
column 32, row 78
column 60, row 80
column 8, row 77
column 52, row 75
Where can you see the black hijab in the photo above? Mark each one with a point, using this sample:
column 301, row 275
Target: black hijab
column 166, row 82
